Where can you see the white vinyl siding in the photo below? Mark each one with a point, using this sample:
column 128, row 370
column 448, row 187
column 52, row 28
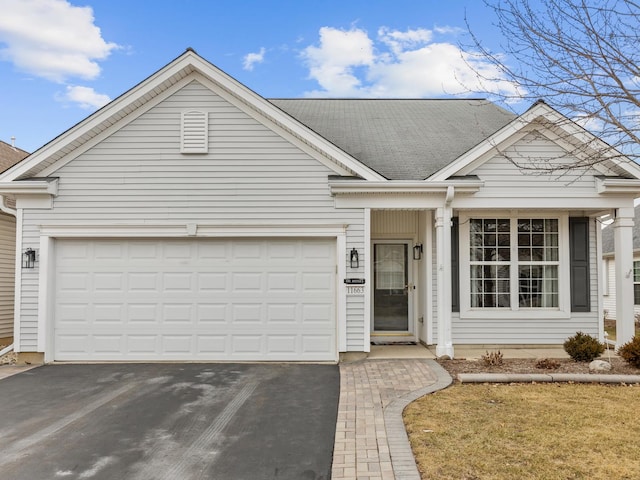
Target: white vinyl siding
column 7, row 273
column 503, row 172
column 355, row 303
column 137, row 176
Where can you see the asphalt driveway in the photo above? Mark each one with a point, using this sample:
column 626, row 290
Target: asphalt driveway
column 169, row 421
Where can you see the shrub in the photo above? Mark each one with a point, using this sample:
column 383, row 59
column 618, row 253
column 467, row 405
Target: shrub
column 547, row 364
column 583, row 348
column 630, row 352
column 493, row 358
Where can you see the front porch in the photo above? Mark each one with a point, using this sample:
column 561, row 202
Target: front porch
column 434, row 278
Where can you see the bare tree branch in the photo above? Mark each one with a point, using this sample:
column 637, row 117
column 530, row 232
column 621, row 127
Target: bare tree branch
column 582, row 58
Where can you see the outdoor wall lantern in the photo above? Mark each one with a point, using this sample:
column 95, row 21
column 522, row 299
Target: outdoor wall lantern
column 29, row 258
column 353, row 258
column 417, row 251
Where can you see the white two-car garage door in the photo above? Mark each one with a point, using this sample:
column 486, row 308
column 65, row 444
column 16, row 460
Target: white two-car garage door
column 236, row 299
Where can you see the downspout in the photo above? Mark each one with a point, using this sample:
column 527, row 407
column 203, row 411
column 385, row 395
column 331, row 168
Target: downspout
column 9, row 211
column 4, row 208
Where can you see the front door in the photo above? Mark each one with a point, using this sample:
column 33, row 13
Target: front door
column 391, row 287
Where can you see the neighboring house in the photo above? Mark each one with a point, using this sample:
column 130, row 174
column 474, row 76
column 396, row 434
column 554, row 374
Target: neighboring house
column 608, row 256
column 192, row 219
column 9, row 156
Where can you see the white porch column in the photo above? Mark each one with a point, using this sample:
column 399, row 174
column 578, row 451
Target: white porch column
column 623, row 243
column 443, row 275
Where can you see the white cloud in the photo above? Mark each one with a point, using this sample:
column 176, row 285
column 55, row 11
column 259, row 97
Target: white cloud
column 400, row 41
column 52, row 39
column 251, row 59
column 85, row 97
column 332, row 64
column 397, row 63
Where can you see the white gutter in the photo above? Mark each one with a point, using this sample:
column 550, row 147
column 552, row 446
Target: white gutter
column 5, row 209
column 10, row 211
column 407, row 187
column 618, row 185
column 45, row 187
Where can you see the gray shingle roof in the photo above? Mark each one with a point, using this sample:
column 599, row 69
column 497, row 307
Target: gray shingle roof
column 9, row 155
column 400, row 139
column 607, row 235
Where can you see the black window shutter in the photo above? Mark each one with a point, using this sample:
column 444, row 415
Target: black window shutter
column 579, row 264
column 455, row 266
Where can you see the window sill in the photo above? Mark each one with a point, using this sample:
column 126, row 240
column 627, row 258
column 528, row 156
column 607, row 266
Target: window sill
column 506, row 314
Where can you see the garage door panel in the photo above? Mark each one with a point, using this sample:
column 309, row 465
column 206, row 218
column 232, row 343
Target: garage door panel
column 247, row 250
column 195, row 300
column 211, row 346
column 108, row 314
column 213, row 282
column 142, row 313
column 104, row 282
column 314, row 283
column 312, row 344
column 143, row 282
column 247, row 282
column 246, row 344
column 142, row 345
column 282, row 344
column 284, row 313
column 212, row 313
column 73, row 282
column 108, row 344
column 173, row 282
column 317, row 252
column 107, row 251
column 72, row 313
column 319, row 314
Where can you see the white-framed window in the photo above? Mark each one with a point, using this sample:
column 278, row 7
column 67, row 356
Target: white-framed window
column 515, row 263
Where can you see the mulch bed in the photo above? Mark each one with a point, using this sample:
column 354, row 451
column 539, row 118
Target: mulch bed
column 527, row 365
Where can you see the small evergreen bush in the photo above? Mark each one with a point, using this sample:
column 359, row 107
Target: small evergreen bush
column 630, row 352
column 583, row 348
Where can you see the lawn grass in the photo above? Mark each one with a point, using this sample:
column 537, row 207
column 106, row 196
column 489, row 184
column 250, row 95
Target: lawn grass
column 523, row 431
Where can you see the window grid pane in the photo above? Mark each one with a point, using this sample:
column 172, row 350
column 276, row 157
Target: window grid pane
column 538, row 285
column 490, row 252
column 538, row 240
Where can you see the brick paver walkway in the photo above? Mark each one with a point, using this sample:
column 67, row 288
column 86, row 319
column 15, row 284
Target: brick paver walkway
column 371, row 443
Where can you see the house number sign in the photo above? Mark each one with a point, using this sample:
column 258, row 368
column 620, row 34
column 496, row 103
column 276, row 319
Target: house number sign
column 355, row 286
column 355, row 289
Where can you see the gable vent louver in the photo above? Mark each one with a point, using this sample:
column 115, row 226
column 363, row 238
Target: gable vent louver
column 194, row 132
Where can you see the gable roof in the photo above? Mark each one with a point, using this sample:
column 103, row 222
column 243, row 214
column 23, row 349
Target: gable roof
column 187, row 66
column 608, row 247
column 10, row 155
column 406, row 139
column 564, row 131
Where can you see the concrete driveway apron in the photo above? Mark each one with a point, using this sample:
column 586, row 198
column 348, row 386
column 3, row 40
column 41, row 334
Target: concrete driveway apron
column 169, row 421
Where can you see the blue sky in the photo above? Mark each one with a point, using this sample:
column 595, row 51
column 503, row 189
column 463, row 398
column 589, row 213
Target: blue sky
column 60, row 60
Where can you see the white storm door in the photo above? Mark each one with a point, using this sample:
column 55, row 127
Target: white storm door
column 391, row 287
